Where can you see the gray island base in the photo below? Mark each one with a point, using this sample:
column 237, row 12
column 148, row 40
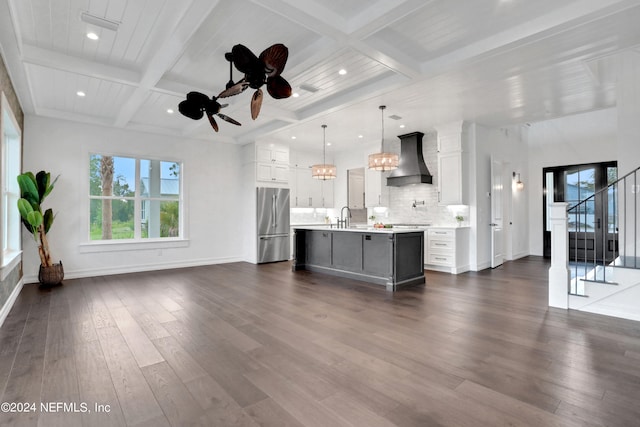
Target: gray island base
column 388, row 257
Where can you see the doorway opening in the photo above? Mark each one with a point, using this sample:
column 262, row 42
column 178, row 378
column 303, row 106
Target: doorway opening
column 355, row 195
column 572, row 184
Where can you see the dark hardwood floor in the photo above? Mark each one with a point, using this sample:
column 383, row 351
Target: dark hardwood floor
column 246, row 345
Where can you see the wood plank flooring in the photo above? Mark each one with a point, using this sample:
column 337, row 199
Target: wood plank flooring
column 246, row 345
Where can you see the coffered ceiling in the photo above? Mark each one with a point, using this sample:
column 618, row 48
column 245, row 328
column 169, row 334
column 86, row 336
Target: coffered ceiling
column 495, row 62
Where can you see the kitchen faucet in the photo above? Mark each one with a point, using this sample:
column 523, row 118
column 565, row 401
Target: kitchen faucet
column 342, row 220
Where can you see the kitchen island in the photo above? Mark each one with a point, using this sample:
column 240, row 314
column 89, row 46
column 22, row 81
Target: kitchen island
column 389, row 257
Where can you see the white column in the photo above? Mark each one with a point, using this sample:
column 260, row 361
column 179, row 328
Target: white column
column 559, row 275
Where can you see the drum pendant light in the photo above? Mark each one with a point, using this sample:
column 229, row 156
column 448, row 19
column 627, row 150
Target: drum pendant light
column 324, row 171
column 383, row 161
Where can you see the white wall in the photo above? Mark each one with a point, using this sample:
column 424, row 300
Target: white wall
column 577, row 139
column 212, row 195
column 507, row 145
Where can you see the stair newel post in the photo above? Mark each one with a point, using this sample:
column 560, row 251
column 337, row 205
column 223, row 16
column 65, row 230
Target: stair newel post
column 559, row 276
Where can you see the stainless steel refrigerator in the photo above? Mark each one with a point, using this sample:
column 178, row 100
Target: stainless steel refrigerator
column 273, row 224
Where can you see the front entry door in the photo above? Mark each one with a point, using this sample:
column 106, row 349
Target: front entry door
column 593, row 225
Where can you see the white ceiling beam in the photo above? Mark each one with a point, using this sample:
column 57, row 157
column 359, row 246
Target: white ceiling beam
column 347, row 99
column 73, row 116
column 73, row 64
column 324, row 23
column 560, row 19
column 381, row 14
column 166, row 54
column 274, row 112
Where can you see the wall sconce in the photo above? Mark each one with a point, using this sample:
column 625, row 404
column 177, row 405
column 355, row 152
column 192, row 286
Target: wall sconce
column 519, row 184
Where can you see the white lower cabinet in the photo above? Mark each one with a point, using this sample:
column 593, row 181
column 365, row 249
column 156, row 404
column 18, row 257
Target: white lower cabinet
column 447, row 249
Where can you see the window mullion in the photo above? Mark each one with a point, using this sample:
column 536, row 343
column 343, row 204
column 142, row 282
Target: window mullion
column 137, row 228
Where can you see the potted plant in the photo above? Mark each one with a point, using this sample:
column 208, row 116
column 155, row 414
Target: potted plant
column 33, row 191
column 459, row 218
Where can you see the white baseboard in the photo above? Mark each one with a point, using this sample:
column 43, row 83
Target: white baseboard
column 520, row 255
column 481, row 266
column 4, row 311
column 108, row 271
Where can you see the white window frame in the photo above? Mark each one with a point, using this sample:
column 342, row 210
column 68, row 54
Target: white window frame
column 137, row 242
column 10, row 151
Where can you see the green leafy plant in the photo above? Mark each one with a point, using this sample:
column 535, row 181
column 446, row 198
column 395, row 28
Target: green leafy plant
column 459, row 218
column 33, row 190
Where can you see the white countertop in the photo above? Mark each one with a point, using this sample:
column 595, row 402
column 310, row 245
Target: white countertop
column 396, row 230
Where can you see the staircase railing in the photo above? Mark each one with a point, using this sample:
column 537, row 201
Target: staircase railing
column 603, row 233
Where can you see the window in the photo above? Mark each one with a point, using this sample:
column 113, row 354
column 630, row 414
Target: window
column 134, row 199
column 10, row 160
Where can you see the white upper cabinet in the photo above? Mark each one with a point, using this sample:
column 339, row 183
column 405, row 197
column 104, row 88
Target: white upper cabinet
column 452, row 165
column 272, row 153
column 272, row 163
column 307, row 192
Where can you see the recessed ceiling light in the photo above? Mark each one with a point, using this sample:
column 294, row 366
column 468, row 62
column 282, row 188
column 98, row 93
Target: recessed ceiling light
column 293, row 137
column 360, row 136
column 401, row 126
column 80, row 93
column 169, row 110
column 92, row 36
column 328, row 144
column 295, row 94
column 342, row 72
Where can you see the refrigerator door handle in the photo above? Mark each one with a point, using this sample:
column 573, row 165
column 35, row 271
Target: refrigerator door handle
column 274, row 209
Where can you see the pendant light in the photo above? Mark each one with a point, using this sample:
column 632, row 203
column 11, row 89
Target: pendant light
column 383, row 161
column 323, row 171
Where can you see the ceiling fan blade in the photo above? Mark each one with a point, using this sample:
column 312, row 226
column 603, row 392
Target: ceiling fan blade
column 244, row 60
column 213, row 122
column 274, row 59
column 239, row 87
column 224, row 105
column 198, row 97
column 228, row 119
column 256, row 104
column 278, row 87
column 190, row 109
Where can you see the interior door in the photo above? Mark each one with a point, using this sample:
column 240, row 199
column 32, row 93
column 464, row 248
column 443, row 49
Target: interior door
column 497, row 247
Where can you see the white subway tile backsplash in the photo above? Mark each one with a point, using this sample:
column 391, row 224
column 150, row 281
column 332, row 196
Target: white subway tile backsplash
column 401, row 199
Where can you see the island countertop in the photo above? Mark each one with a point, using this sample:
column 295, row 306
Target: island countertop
column 359, row 229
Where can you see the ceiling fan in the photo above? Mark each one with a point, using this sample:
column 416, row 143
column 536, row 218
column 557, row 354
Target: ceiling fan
column 258, row 70
column 197, row 104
